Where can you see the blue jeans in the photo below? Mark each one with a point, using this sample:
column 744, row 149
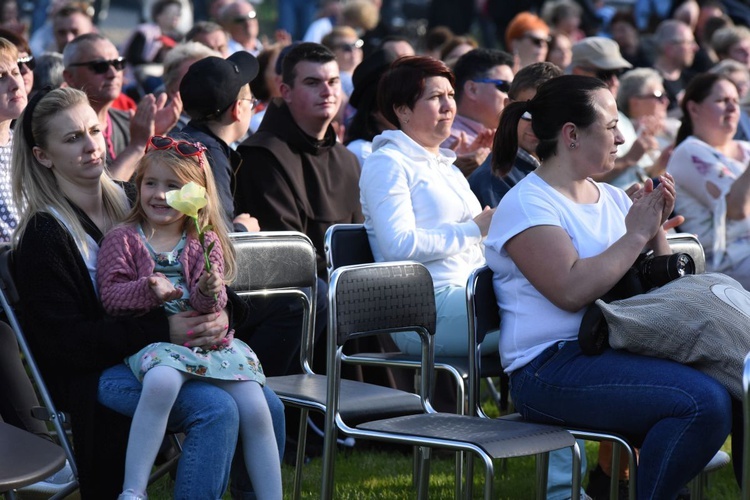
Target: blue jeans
column 208, row 417
column 678, row 416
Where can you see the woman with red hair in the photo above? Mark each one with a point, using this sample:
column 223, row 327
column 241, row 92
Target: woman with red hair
column 527, row 38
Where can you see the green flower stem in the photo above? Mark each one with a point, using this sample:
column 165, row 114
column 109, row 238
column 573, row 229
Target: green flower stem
column 202, row 239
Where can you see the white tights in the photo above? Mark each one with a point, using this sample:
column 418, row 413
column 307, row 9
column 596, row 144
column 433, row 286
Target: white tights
column 161, row 385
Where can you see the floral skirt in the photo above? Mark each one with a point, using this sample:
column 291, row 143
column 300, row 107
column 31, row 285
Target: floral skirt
column 233, row 362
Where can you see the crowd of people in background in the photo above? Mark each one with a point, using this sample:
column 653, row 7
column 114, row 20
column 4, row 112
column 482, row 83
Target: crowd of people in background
column 316, row 113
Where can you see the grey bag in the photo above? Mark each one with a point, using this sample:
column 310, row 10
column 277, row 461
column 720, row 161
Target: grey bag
column 700, row 320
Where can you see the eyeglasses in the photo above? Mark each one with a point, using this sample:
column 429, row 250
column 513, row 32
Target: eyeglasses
column 657, row 95
column 501, row 85
column 606, row 75
column 183, row 148
column 27, row 61
column 244, row 18
column 537, row 41
column 102, row 66
column 253, row 101
column 350, row 47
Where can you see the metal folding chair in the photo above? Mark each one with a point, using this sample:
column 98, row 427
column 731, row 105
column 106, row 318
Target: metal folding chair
column 373, row 299
column 283, row 263
column 348, row 244
column 25, row 459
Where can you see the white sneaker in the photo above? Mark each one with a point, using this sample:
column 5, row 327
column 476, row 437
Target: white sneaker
column 131, row 495
column 52, row 484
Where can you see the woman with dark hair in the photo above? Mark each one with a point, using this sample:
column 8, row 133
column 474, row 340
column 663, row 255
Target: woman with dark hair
column 558, row 242
column 711, row 175
column 417, row 204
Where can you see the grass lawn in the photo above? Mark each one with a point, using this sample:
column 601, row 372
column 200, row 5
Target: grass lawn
column 383, row 475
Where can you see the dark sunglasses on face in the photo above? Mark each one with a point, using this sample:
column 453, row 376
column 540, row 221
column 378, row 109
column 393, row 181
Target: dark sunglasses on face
column 606, row 75
column 102, row 66
column 501, row 85
column 183, row 148
column 27, row 61
column 350, row 47
column 242, row 19
column 537, row 41
column 656, row 95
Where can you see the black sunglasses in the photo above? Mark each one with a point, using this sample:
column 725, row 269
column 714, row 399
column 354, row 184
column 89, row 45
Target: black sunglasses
column 606, row 75
column 350, row 47
column 242, row 19
column 539, row 42
column 102, row 66
column 27, row 61
column 501, row 85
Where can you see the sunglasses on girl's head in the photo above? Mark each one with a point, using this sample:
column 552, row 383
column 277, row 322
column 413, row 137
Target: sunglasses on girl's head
column 102, row 66
column 27, row 61
column 183, row 148
column 501, row 85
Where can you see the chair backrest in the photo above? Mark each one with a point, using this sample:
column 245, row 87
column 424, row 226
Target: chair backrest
column 346, row 245
column 377, row 298
column 280, row 263
column 689, row 244
column 9, row 299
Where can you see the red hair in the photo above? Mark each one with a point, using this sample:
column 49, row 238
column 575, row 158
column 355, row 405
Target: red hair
column 522, row 24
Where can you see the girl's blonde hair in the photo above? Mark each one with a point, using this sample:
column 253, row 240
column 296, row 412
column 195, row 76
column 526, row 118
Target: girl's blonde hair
column 34, row 186
column 188, row 169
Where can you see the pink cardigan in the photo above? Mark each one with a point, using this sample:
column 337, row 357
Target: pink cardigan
column 124, row 265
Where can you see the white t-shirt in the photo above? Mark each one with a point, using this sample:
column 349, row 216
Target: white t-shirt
column 531, row 323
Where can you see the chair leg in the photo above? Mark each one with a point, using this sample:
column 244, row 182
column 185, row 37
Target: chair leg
column 575, row 494
column 469, row 474
column 329, row 460
column 542, row 466
column 697, row 485
column 423, row 486
column 301, row 445
column 614, row 481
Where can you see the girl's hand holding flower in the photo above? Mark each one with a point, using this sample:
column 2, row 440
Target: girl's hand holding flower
column 189, row 200
column 210, row 283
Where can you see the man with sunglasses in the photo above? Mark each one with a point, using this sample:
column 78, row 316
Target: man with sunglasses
column 600, row 57
column 483, row 78
column 93, row 65
column 240, row 20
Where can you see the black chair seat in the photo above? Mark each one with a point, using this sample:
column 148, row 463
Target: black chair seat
column 498, row 438
column 25, row 458
column 360, row 402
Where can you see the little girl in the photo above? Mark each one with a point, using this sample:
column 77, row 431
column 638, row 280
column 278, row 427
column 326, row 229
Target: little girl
column 156, row 260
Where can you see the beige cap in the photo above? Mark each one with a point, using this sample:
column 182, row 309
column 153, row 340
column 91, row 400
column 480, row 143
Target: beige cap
column 598, row 52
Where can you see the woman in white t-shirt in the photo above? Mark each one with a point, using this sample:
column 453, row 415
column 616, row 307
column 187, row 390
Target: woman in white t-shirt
column 557, row 242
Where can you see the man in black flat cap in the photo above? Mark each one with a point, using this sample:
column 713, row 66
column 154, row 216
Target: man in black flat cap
column 216, row 94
